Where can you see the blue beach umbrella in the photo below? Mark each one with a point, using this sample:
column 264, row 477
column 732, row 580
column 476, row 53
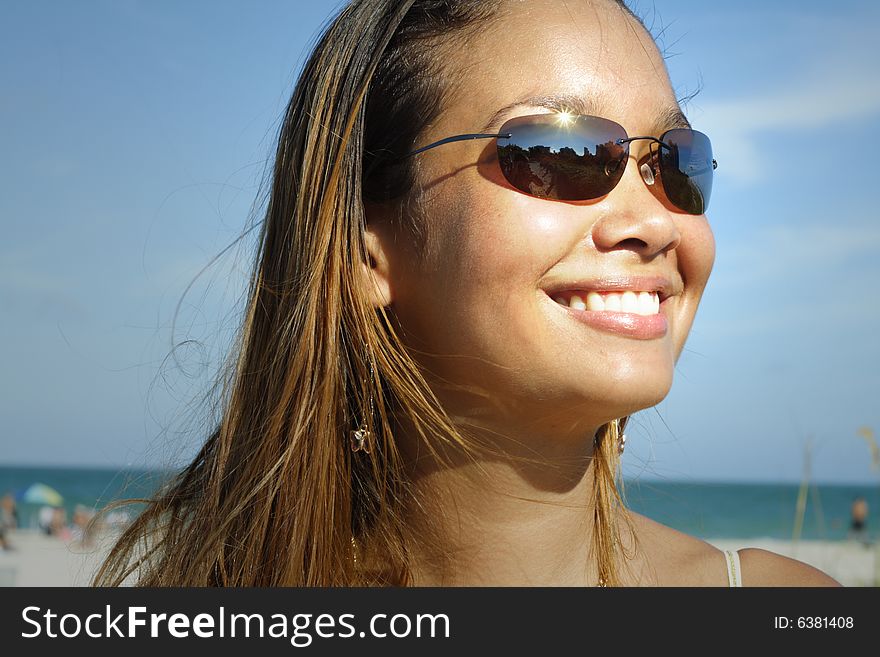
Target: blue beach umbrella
column 41, row 494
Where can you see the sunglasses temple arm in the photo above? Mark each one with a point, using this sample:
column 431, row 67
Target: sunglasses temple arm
column 457, row 138
column 621, row 142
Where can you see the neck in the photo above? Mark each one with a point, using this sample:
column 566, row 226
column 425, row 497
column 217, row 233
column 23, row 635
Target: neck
column 518, row 517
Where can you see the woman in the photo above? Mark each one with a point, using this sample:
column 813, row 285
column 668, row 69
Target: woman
column 444, row 337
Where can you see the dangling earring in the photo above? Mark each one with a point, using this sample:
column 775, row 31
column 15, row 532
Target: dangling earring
column 362, row 437
column 621, row 437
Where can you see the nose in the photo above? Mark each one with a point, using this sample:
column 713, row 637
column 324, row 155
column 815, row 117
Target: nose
column 635, row 219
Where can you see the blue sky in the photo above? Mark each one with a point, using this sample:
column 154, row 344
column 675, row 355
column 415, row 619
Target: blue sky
column 135, row 136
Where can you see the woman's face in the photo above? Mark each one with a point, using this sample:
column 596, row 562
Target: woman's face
column 477, row 304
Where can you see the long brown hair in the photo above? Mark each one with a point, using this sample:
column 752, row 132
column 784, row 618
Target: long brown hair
column 276, row 496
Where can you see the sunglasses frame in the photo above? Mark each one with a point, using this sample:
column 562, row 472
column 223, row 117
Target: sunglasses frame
column 620, row 142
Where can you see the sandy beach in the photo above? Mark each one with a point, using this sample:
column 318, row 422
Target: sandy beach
column 40, row 560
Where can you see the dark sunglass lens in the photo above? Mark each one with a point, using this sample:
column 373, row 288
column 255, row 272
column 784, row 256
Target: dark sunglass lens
column 561, row 156
column 686, row 169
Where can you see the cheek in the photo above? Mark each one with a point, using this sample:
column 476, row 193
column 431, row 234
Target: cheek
column 477, row 290
column 695, row 257
column 696, row 253
column 506, row 247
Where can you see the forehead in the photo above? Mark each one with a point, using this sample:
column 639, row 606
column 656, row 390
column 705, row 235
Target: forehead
column 581, row 56
column 665, row 117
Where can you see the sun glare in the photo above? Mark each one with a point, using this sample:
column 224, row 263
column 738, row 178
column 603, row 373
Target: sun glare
column 565, row 117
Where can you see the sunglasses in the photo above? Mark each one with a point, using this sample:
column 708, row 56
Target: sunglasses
column 568, row 157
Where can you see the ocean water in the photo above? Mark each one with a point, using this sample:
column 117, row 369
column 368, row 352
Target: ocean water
column 707, row 510
column 752, row 510
column 90, row 487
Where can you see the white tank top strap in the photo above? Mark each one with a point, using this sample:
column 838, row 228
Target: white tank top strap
column 734, row 571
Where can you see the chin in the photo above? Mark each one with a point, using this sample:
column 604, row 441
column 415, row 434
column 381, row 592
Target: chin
column 624, row 397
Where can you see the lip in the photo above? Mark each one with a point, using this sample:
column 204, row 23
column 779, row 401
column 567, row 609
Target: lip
column 640, row 327
column 660, row 284
column 631, row 325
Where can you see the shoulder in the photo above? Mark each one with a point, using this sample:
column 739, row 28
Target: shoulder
column 764, row 568
column 673, row 558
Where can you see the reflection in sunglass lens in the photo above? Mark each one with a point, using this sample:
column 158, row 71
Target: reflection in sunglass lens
column 562, row 157
column 686, row 169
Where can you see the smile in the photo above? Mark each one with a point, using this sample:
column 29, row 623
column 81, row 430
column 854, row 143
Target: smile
column 629, row 313
column 643, row 303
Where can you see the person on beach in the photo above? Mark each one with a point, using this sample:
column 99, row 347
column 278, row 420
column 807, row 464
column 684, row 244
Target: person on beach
column 83, row 528
column 58, row 525
column 439, row 356
column 858, row 529
column 8, row 520
column 45, row 517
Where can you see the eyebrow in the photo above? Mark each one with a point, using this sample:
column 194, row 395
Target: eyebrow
column 667, row 118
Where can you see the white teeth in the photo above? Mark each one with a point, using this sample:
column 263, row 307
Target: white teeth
column 612, row 302
column 629, row 301
column 595, row 301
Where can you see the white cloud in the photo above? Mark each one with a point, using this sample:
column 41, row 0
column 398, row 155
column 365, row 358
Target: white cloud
column 820, row 72
column 820, row 272
column 796, row 249
column 738, row 126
